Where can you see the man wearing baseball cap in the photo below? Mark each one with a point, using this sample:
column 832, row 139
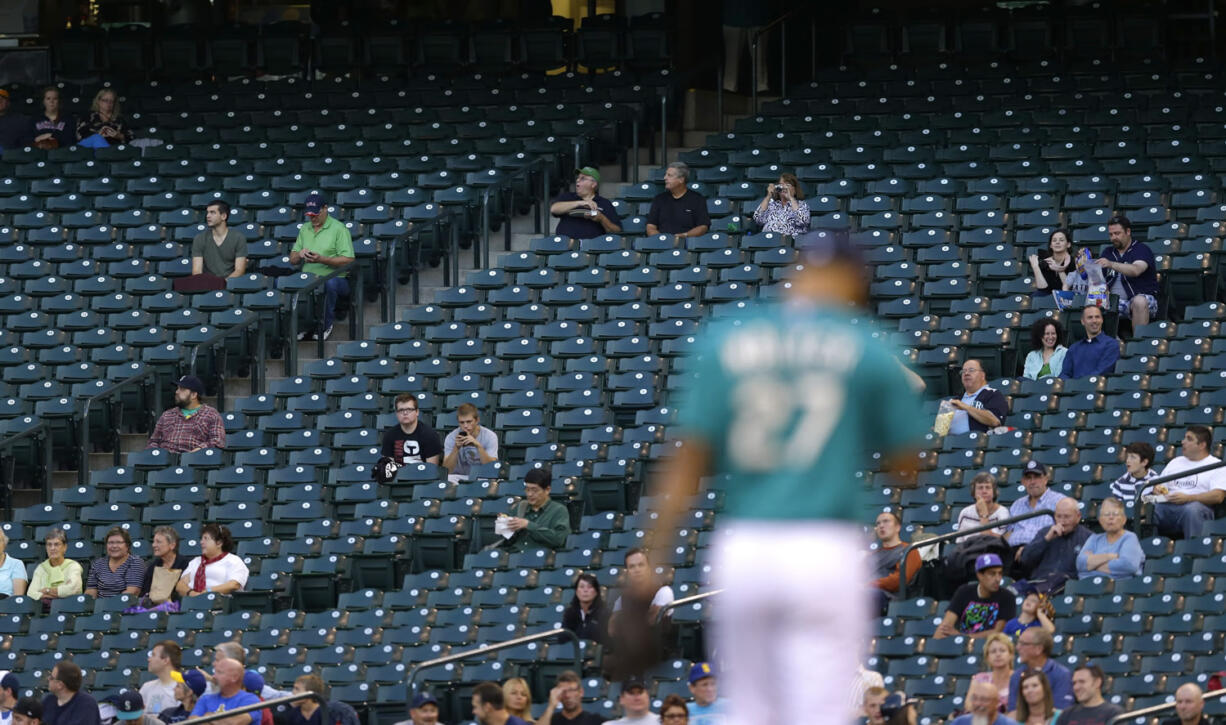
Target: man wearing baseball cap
column 323, row 244
column 28, row 711
column 636, row 704
column 979, row 608
column 191, row 425
column 584, row 213
column 423, row 710
column 708, row 708
column 9, row 685
column 1035, row 478
column 129, row 707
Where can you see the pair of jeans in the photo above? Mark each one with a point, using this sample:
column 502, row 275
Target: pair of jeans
column 1187, row 520
column 333, row 288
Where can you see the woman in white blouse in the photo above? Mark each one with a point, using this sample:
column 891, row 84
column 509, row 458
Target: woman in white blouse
column 216, row 569
column 1046, row 357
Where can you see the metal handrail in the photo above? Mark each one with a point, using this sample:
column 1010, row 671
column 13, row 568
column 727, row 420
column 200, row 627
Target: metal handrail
column 40, row 429
column 218, row 338
column 755, row 38
column 107, row 392
column 1146, row 485
column 291, row 355
column 265, row 705
column 902, row 565
column 457, row 656
column 503, row 184
column 685, row 600
column 1155, row 709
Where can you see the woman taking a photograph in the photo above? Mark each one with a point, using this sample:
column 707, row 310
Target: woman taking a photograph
column 783, row 210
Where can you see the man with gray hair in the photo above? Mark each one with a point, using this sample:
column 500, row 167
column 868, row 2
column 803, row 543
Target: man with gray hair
column 678, row 210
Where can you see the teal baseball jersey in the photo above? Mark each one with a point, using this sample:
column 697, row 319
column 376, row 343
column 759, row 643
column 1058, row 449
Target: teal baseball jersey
column 792, row 399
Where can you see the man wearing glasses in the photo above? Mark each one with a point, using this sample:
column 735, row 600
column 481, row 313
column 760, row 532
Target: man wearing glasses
column 981, row 408
column 1034, row 648
column 411, row 440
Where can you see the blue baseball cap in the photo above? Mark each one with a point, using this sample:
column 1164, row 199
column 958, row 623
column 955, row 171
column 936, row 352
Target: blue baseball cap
column 191, row 382
column 701, row 671
column 194, row 679
column 128, row 705
column 423, row 698
column 987, row 561
column 827, row 247
column 253, row 682
column 314, row 202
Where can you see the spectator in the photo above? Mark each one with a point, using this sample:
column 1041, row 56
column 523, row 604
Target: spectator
column 67, row 704
column 980, row 408
column 518, row 698
column 165, row 661
column 873, row 699
column 10, row 686
column 635, row 704
column 887, row 559
column 189, row 685
column 489, row 706
column 14, row 127
column 678, row 210
column 191, row 425
column 57, row 576
column 1034, row 613
column 1138, row 457
column 1189, row 500
column 1189, row 706
column 586, row 615
column 118, row 572
column 567, row 692
column 1091, row 708
column 1129, row 270
column 323, row 244
column 979, row 608
column 411, row 440
column 708, row 708
column 1036, row 705
column 228, row 674
column 28, row 711
column 1046, row 356
column 539, row 521
column 1034, row 648
column 1038, row 496
column 865, row 680
column 130, row 707
column 1050, row 559
column 55, row 129
column 315, row 711
column 105, row 119
column 998, row 661
column 584, row 213
column 1095, row 355
column 231, row 650
column 162, row 574
column 216, row 569
column 423, row 710
column 783, row 209
column 983, row 700
column 1116, row 552
column 646, row 597
column 219, row 251
column 985, row 510
column 253, row 682
column 13, row 581
column 470, row 444
column 898, row 709
column 674, row 711
column 1055, row 266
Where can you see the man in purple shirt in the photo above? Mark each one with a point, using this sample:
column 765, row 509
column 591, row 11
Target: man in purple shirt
column 1095, row 355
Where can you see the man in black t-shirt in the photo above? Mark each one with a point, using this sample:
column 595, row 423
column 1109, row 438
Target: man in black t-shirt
column 979, row 608
column 1091, row 708
column 599, row 215
column 411, row 441
column 678, row 210
column 569, row 694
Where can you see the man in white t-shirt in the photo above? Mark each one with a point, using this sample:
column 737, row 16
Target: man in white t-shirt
column 1190, row 500
column 636, row 704
column 639, row 578
column 158, row 694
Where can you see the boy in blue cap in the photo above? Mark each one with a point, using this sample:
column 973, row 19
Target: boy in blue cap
column 981, row 607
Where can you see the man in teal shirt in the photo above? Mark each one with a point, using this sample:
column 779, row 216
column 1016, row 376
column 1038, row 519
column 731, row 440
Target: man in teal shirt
column 323, row 244
column 784, row 405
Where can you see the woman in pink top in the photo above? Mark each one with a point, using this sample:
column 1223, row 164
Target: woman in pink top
column 998, row 656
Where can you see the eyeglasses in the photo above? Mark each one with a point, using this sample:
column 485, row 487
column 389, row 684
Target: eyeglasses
column 406, row 410
column 964, row 371
column 674, row 716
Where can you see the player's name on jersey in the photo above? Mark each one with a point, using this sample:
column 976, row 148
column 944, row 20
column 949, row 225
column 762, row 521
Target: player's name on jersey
column 757, row 347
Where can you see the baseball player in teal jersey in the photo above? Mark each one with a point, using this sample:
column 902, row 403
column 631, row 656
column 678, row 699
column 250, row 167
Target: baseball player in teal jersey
column 788, row 399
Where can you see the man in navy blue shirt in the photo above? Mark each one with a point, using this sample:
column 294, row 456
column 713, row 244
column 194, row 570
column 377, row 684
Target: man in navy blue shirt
column 599, row 216
column 1129, row 270
column 1095, row 355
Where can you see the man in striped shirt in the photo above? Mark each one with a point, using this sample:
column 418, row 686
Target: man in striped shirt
column 1138, row 456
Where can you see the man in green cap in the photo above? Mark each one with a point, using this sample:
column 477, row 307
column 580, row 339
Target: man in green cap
column 585, row 214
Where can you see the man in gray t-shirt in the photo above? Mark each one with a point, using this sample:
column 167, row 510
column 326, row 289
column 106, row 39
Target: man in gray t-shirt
column 469, row 445
column 219, row 250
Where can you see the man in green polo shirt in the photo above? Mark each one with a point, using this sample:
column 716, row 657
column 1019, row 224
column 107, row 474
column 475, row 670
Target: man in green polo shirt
column 539, row 521
column 323, row 243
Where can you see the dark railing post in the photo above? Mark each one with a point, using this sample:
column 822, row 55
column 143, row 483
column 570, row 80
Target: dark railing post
column 664, row 128
column 634, row 143
column 83, row 423
column 457, row 656
column 934, row 541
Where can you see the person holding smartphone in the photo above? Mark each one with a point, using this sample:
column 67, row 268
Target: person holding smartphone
column 783, row 209
column 470, row 444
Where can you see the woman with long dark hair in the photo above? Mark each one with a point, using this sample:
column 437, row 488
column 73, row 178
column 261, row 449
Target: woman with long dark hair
column 1046, row 356
column 586, row 615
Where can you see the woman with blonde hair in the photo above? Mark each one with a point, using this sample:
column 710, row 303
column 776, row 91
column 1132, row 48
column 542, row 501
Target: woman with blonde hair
column 13, row 579
column 105, row 119
column 518, row 698
column 998, row 659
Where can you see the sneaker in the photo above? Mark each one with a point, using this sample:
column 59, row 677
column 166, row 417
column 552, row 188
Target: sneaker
column 327, row 332
column 306, row 335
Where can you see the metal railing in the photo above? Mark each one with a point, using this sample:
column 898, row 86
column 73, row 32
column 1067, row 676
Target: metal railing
column 106, row 394
column 1141, row 489
column 40, row 431
column 356, row 314
column 217, row 341
column 1154, row 710
column 683, row 601
column 478, row 651
column 902, row 565
column 266, row 705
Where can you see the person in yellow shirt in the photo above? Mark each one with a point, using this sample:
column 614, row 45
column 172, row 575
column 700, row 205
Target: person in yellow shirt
column 57, row 576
